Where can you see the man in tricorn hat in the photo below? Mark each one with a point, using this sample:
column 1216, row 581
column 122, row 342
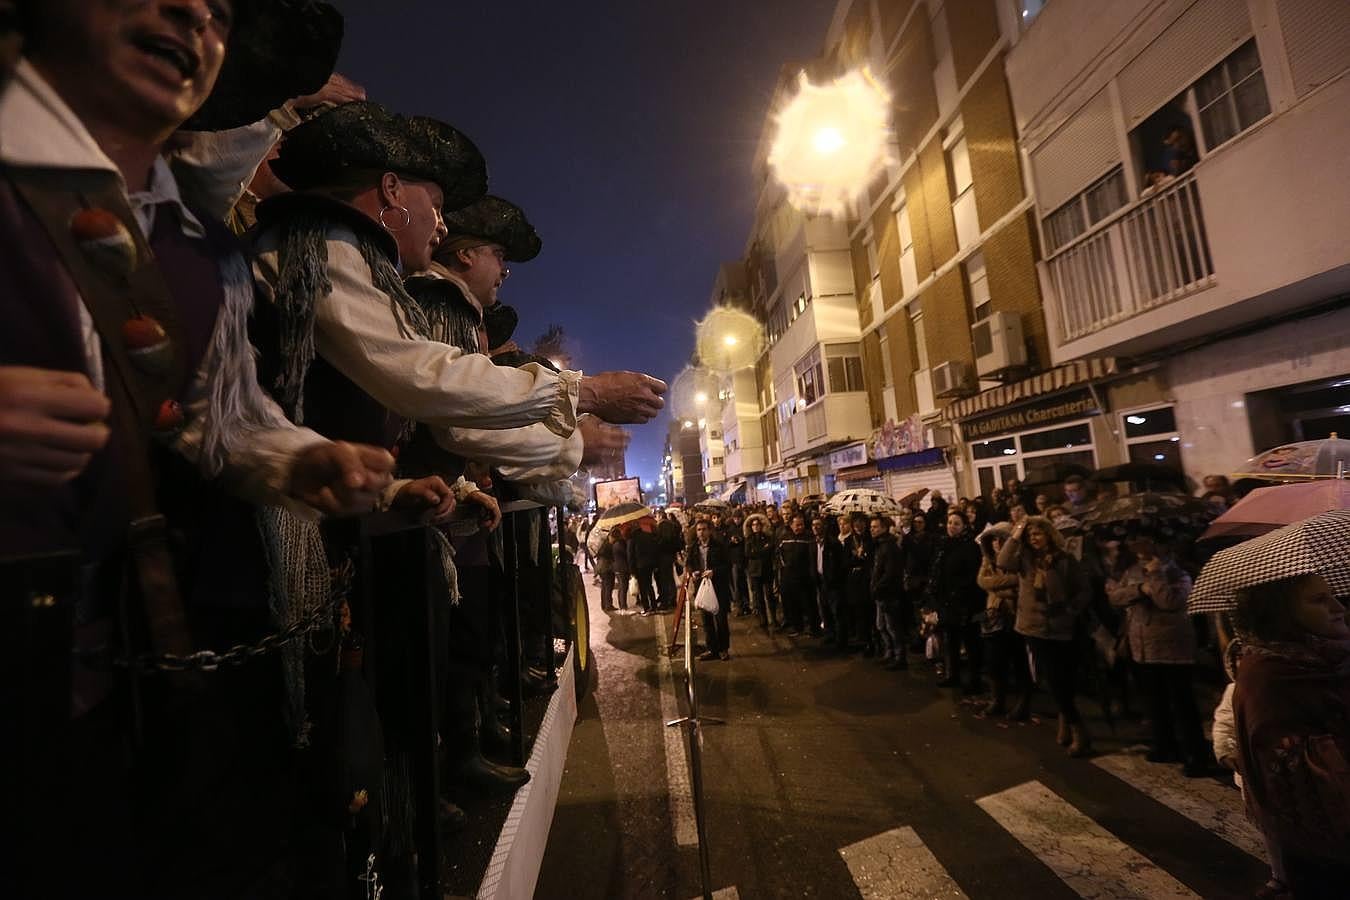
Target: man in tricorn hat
column 127, row 385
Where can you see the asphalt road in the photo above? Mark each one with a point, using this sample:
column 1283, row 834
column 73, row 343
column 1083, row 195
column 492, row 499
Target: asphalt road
column 833, row 778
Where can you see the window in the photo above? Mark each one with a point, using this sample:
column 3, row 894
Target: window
column 909, row 273
column 846, row 374
column 809, row 385
column 961, row 183
column 717, row 460
column 1231, row 97
column 920, row 339
column 1102, row 197
column 1151, row 436
column 977, row 287
column 1033, row 453
column 873, row 263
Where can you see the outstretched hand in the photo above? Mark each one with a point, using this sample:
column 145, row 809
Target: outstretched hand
column 341, row 479
column 623, row 398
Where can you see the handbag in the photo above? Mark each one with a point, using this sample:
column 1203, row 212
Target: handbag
column 706, row 598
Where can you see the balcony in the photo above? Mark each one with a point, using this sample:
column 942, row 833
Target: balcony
column 1149, row 254
column 1255, row 230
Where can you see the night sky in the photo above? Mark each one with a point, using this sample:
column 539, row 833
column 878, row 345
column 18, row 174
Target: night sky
column 626, row 131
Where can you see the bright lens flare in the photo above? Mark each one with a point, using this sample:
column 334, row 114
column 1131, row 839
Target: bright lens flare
column 700, row 397
column 828, row 140
column 832, row 139
column 730, row 340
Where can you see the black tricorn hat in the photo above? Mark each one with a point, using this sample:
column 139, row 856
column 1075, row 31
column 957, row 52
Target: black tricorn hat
column 499, row 221
column 327, row 150
column 278, row 50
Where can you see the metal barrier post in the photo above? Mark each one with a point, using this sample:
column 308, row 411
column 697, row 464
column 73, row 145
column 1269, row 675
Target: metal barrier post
column 510, row 558
column 696, row 723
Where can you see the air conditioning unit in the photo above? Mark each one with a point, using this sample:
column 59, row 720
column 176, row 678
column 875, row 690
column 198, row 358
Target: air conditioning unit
column 999, row 345
column 953, row 379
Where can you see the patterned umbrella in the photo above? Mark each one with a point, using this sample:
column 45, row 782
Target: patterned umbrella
column 1305, row 459
column 615, row 515
column 713, row 503
column 1267, row 508
column 863, row 500
column 1165, row 516
column 1316, row 546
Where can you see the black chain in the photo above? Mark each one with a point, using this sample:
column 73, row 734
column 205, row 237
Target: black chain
column 211, row 660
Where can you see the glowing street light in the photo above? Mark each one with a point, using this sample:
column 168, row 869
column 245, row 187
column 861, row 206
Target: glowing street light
column 728, row 339
column 832, row 139
column 700, row 398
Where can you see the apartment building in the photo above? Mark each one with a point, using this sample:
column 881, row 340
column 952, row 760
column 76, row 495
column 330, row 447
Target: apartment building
column 808, row 389
column 1188, row 161
column 943, row 244
column 682, row 464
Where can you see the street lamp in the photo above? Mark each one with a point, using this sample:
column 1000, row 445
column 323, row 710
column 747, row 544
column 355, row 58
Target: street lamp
column 728, row 339
column 831, row 141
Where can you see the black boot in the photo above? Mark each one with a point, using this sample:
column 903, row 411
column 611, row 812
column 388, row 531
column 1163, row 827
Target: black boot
column 466, row 767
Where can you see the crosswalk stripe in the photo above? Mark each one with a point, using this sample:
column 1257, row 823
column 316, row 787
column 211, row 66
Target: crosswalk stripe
column 1202, row 800
column 897, row 865
column 1085, row 856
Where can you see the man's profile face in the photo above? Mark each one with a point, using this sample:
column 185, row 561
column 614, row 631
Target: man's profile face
column 878, row 528
column 146, row 64
column 485, row 271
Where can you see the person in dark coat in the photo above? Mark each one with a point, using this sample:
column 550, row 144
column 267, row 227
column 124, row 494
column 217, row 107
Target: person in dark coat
column 622, row 571
column 706, row 557
column 734, row 540
column 795, row 575
column 955, row 593
column 887, row 586
column 1005, row 651
column 857, row 584
column 643, row 557
column 937, row 512
column 919, row 545
column 604, row 568
column 830, row 578
column 759, row 553
column 670, row 541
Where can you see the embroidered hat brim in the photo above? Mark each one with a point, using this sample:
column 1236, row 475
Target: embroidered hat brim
column 365, row 137
column 499, row 221
column 278, row 50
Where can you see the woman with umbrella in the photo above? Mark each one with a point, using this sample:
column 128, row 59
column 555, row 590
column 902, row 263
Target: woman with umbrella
column 1291, row 708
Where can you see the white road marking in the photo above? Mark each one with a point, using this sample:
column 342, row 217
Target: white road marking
column 897, row 865
column 1087, row 857
column 679, row 790
column 1202, row 800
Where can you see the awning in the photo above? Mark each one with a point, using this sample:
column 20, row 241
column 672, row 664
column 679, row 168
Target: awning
column 731, row 490
column 924, row 459
column 1080, row 371
column 858, row 473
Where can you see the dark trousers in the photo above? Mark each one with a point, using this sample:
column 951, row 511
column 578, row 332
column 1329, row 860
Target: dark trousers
column 795, row 593
column 716, row 628
column 762, row 599
column 607, row 590
column 1005, row 659
column 963, row 634
column 861, row 610
column 824, row 608
column 1171, row 705
column 843, row 620
column 1057, row 666
column 739, row 590
column 646, row 590
column 665, row 582
column 621, row 582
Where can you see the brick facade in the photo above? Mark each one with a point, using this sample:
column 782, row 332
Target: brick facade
column 1010, row 260
column 973, row 25
column 995, row 163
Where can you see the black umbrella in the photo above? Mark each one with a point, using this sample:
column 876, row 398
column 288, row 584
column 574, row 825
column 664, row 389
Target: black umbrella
column 1163, row 516
column 1144, row 476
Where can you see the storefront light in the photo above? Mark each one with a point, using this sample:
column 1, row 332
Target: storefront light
column 1136, row 420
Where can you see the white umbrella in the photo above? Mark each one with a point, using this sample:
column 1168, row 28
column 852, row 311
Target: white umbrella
column 863, row 500
column 1316, row 546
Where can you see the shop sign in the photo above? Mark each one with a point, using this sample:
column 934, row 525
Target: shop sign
column 899, row 438
column 1070, row 406
column 852, row 455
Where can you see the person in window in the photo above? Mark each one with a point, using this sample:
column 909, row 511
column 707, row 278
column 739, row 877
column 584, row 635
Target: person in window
column 1291, row 711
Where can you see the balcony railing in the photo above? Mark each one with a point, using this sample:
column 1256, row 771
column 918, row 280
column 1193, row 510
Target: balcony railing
column 1144, row 256
column 816, row 426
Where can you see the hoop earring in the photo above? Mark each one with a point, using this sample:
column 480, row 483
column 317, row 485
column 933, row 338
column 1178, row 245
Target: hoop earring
column 407, row 218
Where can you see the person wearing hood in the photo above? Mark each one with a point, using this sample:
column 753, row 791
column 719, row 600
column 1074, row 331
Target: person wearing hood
column 1291, row 715
column 1052, row 592
column 759, row 552
column 1005, row 652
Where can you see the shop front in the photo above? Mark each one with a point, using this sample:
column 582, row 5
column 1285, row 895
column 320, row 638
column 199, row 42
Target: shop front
column 853, row 468
column 908, row 459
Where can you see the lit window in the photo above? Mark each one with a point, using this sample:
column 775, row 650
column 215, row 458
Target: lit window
column 1231, row 97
